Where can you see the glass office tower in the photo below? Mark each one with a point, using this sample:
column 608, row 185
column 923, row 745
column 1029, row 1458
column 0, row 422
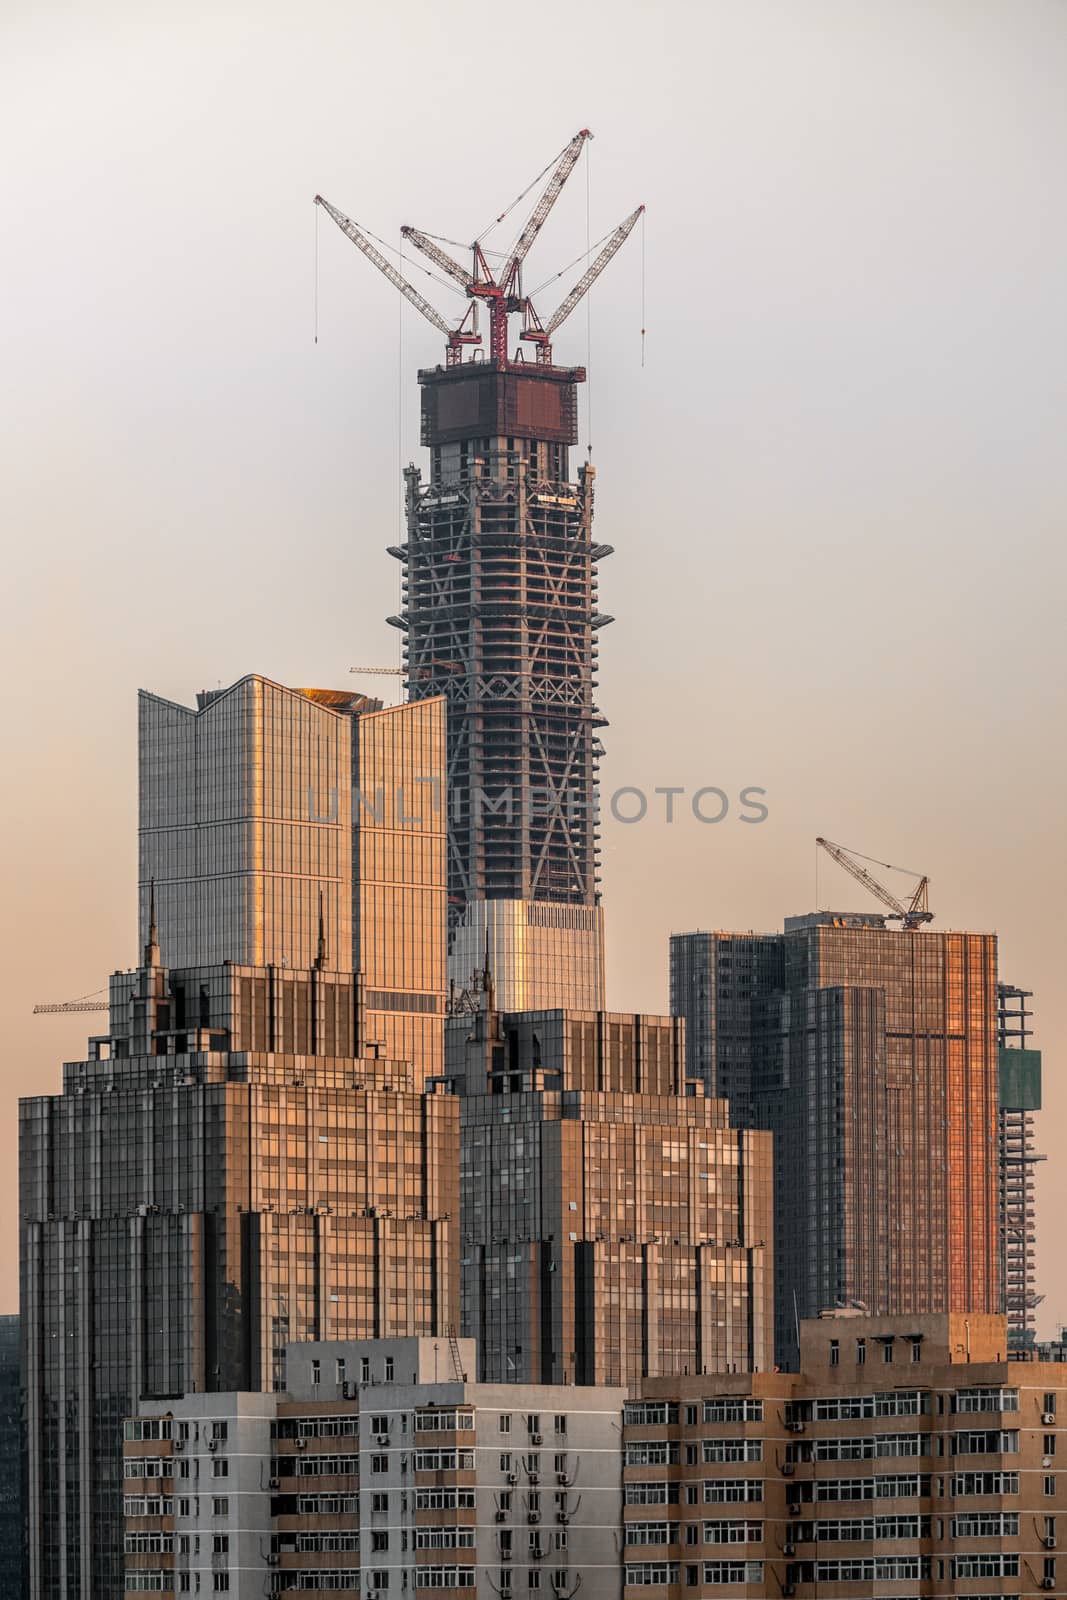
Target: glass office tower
column 871, row 1054
column 224, row 1174
column 246, row 1157
column 271, row 816
column 614, row 1226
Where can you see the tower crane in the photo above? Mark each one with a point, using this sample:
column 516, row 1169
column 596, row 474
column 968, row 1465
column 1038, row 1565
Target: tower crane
column 500, row 290
column 87, row 1002
column 378, row 672
column 912, row 915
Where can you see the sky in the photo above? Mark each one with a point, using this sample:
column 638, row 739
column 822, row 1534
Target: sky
column 832, row 470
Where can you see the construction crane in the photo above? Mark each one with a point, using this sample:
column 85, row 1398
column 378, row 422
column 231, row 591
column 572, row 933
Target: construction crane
column 912, row 915
column 87, row 1002
column 379, row 672
column 501, row 290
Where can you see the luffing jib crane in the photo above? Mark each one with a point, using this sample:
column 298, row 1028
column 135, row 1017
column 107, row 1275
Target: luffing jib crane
column 912, row 915
column 501, row 290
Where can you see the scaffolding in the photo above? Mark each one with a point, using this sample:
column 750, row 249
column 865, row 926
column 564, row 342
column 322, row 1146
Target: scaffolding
column 1019, row 1098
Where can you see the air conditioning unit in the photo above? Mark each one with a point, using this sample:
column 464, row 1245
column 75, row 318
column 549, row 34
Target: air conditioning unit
column 534, row 1477
column 512, row 1477
column 213, row 1444
column 301, row 1444
column 505, row 1555
column 795, row 1427
column 1050, row 1542
column 533, row 1517
column 789, row 1589
column 562, row 1516
column 561, row 1477
column 535, row 1438
column 1048, row 1583
column 1048, row 1418
column 500, row 1516
column 179, row 1444
column 347, row 1390
column 788, row 1469
column 273, row 1484
column 794, row 1508
column 381, row 1438
column 789, row 1549
column 272, row 1561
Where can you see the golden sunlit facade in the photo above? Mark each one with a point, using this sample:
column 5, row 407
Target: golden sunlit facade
column 871, row 1055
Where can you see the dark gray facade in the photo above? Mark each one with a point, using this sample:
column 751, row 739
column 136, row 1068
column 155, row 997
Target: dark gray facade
column 871, row 1056
column 613, row 1225
column 501, row 618
column 12, row 1543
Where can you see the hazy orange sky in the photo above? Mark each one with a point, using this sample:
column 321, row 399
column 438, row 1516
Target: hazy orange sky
column 836, row 487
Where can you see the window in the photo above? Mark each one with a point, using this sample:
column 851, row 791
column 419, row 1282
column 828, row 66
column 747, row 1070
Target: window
column 916, row 1350
column 561, row 1424
column 340, row 1369
column 389, row 1369
column 220, row 1506
column 1050, row 1485
column 887, row 1351
column 861, row 1352
column 533, row 1580
column 1050, row 1444
column 835, row 1353
column 220, row 1431
column 220, row 1468
column 316, row 1372
column 220, row 1544
column 364, row 1369
column 1049, row 1403
column 560, row 1461
column 505, row 1462
column 379, row 1502
column 379, row 1463
column 692, row 1416
column 504, row 1423
column 379, row 1424
column 220, row 1582
column 379, row 1539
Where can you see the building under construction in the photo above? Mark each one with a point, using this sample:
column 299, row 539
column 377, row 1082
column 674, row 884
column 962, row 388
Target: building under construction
column 500, row 617
column 1020, row 1097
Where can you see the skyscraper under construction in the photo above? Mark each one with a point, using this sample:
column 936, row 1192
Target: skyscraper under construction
column 500, row 617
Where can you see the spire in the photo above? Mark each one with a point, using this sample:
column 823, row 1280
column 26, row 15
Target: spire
column 151, row 949
column 320, row 955
column 487, row 979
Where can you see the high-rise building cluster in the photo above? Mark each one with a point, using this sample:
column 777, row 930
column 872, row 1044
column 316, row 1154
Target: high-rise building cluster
column 367, row 1250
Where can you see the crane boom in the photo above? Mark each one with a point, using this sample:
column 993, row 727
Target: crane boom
column 915, row 912
column 440, row 257
column 360, row 240
column 592, row 272
column 536, row 220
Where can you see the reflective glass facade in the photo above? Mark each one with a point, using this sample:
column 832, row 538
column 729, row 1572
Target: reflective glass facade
column 613, row 1225
column 265, row 806
column 872, row 1056
column 224, row 1174
column 540, row 955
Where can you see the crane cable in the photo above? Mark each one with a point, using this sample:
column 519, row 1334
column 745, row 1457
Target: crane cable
column 520, row 197
column 888, row 865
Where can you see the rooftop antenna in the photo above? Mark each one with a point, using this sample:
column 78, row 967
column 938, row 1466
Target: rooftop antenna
column 320, row 954
column 151, row 949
